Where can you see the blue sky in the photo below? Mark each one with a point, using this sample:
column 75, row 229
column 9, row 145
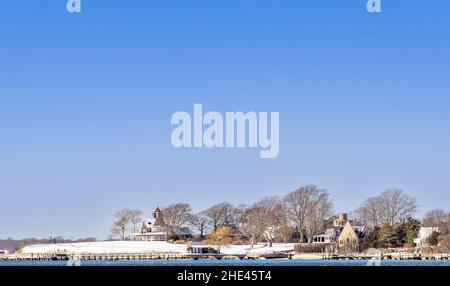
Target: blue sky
column 86, row 101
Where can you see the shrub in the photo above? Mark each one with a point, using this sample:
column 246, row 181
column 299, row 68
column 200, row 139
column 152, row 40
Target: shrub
column 433, row 239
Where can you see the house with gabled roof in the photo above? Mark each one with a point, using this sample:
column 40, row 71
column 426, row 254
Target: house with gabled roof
column 155, row 229
column 350, row 238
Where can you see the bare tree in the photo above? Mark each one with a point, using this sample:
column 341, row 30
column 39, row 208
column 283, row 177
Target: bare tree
column 435, row 218
column 200, row 223
column 302, row 203
column 135, row 217
column 223, row 214
column 237, row 219
column 176, row 216
column 253, row 227
column 276, row 218
column 444, row 229
column 121, row 224
column 261, row 219
column 284, row 233
column 369, row 213
column 321, row 210
column 396, row 206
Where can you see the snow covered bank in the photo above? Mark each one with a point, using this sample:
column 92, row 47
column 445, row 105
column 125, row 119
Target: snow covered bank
column 111, row 247
column 257, row 249
column 105, row 247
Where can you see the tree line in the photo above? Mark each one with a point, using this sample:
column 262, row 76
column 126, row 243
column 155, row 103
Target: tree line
column 298, row 216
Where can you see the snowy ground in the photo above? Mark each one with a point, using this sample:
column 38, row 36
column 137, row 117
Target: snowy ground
column 104, row 247
column 257, row 249
column 109, row 247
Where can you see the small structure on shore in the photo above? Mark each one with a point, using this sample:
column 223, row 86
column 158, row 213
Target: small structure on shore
column 198, row 249
column 423, row 235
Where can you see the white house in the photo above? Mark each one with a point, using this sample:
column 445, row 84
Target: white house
column 424, row 233
column 155, row 229
column 330, row 236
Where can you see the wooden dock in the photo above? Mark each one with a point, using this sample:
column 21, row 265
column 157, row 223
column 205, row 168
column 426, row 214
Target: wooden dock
column 119, row 257
column 190, row 256
column 388, row 256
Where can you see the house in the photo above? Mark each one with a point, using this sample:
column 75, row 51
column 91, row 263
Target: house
column 340, row 220
column 350, row 238
column 4, row 252
column 183, row 233
column 331, row 234
column 424, row 233
column 343, row 236
column 155, row 229
column 152, row 229
column 195, row 248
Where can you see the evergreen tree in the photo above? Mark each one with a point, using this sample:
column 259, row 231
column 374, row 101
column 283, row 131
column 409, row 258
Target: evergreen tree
column 371, row 239
column 412, row 229
column 387, row 235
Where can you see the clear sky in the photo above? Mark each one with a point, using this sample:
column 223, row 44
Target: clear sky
column 86, row 101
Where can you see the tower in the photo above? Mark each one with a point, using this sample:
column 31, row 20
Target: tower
column 157, row 213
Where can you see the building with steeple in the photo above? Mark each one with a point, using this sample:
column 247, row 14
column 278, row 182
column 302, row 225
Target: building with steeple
column 152, row 229
column 155, row 229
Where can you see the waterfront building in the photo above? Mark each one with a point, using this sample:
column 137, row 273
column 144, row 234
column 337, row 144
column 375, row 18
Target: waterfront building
column 155, row 229
column 198, row 248
column 424, row 233
column 152, row 229
column 350, row 238
column 340, row 220
column 331, row 234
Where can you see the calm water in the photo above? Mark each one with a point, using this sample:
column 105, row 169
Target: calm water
column 228, row 263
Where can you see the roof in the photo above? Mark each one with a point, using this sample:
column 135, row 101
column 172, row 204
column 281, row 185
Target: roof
column 332, row 231
column 149, row 234
column 184, row 231
column 359, row 228
column 347, row 232
column 152, row 222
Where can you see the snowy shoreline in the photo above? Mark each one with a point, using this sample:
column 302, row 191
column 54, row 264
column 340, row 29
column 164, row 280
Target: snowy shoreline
column 112, row 247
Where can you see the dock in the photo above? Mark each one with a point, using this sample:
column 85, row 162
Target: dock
column 387, row 256
column 211, row 256
column 120, row 257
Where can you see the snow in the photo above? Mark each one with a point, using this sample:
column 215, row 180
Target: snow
column 257, row 249
column 111, row 247
column 105, row 247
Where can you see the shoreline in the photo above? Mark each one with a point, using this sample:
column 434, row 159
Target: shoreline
column 164, row 251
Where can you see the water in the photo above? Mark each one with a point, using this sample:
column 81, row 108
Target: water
column 232, row 263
